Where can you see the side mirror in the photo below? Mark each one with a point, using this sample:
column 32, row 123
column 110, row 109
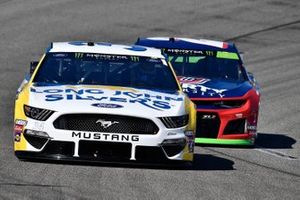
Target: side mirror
column 253, row 81
column 251, row 77
column 242, row 56
column 33, row 65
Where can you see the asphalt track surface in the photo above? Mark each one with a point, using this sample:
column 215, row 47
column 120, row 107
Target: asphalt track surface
column 268, row 32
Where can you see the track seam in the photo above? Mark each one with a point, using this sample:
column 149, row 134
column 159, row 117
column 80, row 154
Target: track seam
column 30, row 185
column 275, row 153
column 254, row 163
column 262, row 30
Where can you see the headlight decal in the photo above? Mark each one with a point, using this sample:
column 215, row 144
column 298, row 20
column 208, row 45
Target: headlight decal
column 175, row 122
column 37, row 113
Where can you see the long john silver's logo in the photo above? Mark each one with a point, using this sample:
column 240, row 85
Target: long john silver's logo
column 106, row 124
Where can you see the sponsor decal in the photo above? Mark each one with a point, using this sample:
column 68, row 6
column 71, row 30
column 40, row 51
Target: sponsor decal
column 251, row 128
column 106, row 56
column 190, row 52
column 78, row 55
column 172, row 133
column 156, row 102
column 106, row 137
column 203, row 90
column 209, row 116
column 107, row 105
column 60, row 55
column 239, row 115
column 18, row 129
column 184, row 52
column 106, row 124
column 20, row 122
column 17, row 136
column 193, row 80
column 135, row 58
column 191, row 145
column 190, row 138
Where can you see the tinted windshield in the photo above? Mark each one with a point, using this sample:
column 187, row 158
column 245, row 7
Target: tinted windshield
column 100, row 69
column 206, row 64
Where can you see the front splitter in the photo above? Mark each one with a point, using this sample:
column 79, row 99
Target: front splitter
column 35, row 156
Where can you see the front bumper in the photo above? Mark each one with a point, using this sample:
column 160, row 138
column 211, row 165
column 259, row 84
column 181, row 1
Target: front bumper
column 236, row 126
column 47, row 142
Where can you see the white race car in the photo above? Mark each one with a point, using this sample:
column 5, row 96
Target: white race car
column 103, row 102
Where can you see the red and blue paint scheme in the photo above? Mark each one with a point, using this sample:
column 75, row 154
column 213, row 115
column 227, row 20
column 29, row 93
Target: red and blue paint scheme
column 213, row 75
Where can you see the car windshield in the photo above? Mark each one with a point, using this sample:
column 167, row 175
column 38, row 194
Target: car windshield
column 104, row 69
column 209, row 64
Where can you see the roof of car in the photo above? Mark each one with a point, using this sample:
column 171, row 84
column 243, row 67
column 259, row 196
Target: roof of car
column 186, row 43
column 104, row 48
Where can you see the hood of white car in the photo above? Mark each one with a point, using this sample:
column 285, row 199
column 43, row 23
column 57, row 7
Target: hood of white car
column 106, row 99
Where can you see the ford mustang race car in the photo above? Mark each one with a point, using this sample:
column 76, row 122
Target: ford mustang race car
column 213, row 75
column 103, row 102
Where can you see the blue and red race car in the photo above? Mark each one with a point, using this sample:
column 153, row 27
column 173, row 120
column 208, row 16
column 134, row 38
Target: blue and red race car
column 214, row 77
